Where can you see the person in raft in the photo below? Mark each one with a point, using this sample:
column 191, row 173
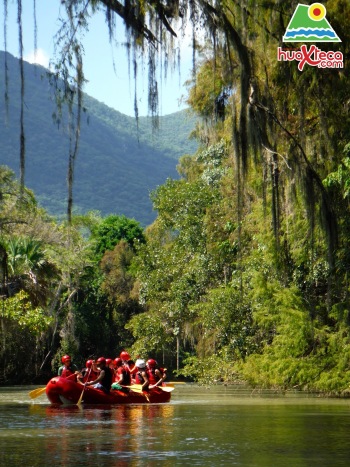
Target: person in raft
column 122, row 376
column 104, row 379
column 68, row 368
column 128, row 363
column 141, row 376
column 110, row 363
column 89, row 373
column 124, row 356
column 156, row 375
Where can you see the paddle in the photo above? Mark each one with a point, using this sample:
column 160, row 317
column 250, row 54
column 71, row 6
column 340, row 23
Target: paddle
column 37, row 392
column 165, row 388
column 137, row 388
column 82, row 392
column 174, row 383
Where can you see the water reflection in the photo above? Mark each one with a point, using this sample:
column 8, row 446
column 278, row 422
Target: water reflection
column 121, row 434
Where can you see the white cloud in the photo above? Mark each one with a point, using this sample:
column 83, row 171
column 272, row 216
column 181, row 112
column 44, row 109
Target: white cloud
column 39, row 57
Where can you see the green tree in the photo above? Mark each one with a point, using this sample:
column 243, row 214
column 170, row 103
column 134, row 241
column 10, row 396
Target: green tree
column 114, row 228
column 22, row 330
column 178, row 261
column 107, row 291
column 28, row 268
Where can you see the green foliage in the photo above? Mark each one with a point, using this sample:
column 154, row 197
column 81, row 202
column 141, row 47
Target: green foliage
column 255, row 319
column 244, row 273
column 210, row 90
column 15, row 206
column 177, row 263
column 341, row 178
column 226, row 323
column 212, row 160
column 298, row 352
column 22, row 332
column 149, row 334
column 114, row 228
column 210, row 370
column 116, row 267
column 181, row 204
column 24, row 254
column 20, row 310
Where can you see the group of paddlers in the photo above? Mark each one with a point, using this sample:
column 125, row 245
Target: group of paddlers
column 120, row 373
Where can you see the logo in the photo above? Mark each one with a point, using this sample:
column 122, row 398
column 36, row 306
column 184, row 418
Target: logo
column 309, row 24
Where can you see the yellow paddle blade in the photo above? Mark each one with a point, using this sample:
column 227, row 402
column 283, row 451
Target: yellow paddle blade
column 134, row 387
column 37, row 392
column 174, row 383
column 137, row 388
column 166, row 388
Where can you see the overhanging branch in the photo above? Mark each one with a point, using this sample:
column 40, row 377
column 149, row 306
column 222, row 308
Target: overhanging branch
column 136, row 22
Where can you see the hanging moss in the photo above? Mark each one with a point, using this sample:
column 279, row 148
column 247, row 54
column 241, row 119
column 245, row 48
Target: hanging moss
column 6, row 90
column 22, row 135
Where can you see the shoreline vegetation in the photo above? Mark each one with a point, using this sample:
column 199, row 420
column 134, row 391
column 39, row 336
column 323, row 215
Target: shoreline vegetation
column 244, row 271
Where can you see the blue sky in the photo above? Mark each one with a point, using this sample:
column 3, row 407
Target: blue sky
column 107, row 82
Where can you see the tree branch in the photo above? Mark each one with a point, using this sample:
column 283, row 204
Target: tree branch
column 133, row 21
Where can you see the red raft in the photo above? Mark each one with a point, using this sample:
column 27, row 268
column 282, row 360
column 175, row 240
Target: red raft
column 64, row 391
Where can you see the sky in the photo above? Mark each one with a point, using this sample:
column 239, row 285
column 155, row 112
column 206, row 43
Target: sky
column 106, row 67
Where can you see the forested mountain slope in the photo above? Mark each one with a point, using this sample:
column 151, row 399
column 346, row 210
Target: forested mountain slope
column 118, row 164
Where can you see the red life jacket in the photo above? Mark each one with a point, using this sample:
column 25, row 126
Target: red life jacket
column 89, row 375
column 139, row 378
column 152, row 377
column 67, row 372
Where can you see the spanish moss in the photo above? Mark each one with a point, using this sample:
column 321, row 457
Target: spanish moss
column 6, row 91
column 22, row 135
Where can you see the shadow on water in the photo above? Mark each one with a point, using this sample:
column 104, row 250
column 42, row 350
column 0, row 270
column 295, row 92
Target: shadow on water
column 201, row 426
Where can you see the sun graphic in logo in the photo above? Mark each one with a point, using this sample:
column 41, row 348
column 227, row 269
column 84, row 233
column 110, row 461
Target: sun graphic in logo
column 316, row 11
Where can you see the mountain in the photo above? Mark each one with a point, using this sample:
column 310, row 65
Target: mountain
column 119, row 162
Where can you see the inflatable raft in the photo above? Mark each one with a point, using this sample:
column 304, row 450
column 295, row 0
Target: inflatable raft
column 64, row 391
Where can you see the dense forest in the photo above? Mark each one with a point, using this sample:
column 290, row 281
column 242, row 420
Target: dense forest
column 244, row 274
column 119, row 161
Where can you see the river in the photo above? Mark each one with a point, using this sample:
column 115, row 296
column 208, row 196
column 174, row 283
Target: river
column 213, row 426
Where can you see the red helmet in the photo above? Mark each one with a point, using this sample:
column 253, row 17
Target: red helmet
column 118, row 362
column 108, row 361
column 89, row 363
column 65, row 358
column 152, row 363
column 101, row 360
column 124, row 356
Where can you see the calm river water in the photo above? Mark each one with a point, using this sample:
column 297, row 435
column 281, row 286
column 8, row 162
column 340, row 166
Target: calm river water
column 199, row 427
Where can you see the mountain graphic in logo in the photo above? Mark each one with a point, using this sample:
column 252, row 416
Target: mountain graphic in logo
column 309, row 24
